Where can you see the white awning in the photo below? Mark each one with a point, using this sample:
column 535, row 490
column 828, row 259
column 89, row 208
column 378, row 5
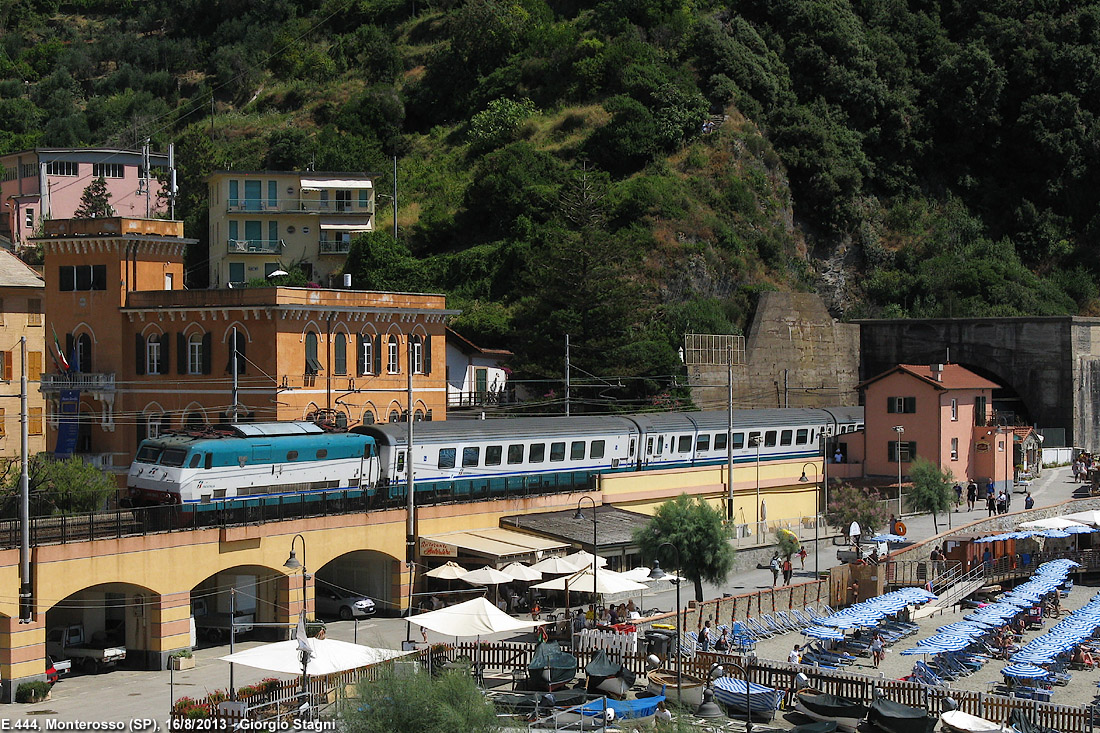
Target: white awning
column 320, row 184
column 495, row 543
column 343, row 225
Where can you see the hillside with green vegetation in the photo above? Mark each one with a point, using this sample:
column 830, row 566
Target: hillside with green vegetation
column 620, row 171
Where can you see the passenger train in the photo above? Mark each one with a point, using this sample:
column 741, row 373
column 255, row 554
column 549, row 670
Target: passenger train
column 462, row 459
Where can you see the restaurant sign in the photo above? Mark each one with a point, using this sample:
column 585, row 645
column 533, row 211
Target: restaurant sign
column 435, row 548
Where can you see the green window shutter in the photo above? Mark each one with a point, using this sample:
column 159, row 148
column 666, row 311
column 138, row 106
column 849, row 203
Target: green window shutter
column 165, row 352
column 891, row 402
column 360, row 365
column 892, row 451
column 181, row 353
column 139, row 353
column 912, row 450
column 207, row 343
column 427, row 355
column 273, row 195
column 234, row 192
column 142, row 428
column 378, row 353
column 910, row 404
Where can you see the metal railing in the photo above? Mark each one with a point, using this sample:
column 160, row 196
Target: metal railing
column 293, row 206
column 88, row 382
column 333, row 247
column 255, row 246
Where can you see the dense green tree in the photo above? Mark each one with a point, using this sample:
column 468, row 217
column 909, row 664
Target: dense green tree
column 57, row 486
column 849, row 504
column 289, row 149
column 699, row 534
column 932, row 489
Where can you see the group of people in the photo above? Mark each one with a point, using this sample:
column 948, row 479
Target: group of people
column 1081, row 466
column 784, row 566
column 714, row 638
column 604, row 616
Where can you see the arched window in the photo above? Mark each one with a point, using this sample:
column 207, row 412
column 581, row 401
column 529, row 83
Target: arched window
column 154, row 356
column 195, row 354
column 313, row 365
column 368, row 417
column 392, row 364
column 340, row 354
column 84, row 353
column 417, row 354
column 418, row 416
column 366, row 354
column 194, row 421
column 395, row 416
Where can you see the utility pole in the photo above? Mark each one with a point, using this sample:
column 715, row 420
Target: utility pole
column 729, row 437
column 26, row 609
column 233, row 366
column 567, row 375
column 410, row 508
column 395, row 198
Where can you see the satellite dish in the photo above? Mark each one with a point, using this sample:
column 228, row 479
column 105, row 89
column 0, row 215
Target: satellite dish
column 854, row 531
column 277, row 273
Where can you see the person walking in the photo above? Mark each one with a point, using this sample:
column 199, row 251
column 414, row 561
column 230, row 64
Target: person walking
column 1029, row 501
column 795, row 657
column 1002, row 503
column 971, row 495
column 958, row 496
column 878, row 650
column 788, row 571
column 802, row 556
column 991, row 502
column 774, row 565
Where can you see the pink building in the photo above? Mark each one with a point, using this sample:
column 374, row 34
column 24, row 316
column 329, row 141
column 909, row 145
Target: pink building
column 46, row 183
column 941, row 412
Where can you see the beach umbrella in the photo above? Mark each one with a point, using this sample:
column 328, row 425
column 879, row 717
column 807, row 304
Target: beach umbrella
column 1079, row 530
column 1054, row 533
column 1025, row 671
column 844, row 622
column 447, row 571
column 1033, row 657
column 1091, row 516
column 1052, row 523
column 822, row 632
column 583, row 559
column 487, row 575
column 961, row 627
column 918, row 650
column 519, row 571
column 558, row 566
column 584, row 581
column 946, row 642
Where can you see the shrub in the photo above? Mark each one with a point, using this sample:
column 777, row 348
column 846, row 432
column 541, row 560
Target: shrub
column 32, row 691
column 182, row 654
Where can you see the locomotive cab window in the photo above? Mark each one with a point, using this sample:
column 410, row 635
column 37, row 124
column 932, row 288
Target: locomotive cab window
column 209, row 462
column 576, row 450
column 322, row 453
column 471, row 457
column 801, row 436
column 685, row 444
column 173, row 457
column 557, row 451
column 446, row 458
column 515, row 454
column 786, row 437
column 195, row 461
column 660, row 444
column 597, row 449
column 148, row 454
column 538, row 453
column 492, row 455
column 632, row 447
column 702, row 444
column 720, row 441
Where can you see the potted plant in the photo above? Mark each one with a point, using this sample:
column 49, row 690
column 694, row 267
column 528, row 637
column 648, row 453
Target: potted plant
column 182, row 659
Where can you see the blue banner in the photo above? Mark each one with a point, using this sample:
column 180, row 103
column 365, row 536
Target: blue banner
column 68, row 423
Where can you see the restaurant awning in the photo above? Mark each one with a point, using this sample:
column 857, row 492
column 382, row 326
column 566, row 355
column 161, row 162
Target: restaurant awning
column 323, row 183
column 493, row 543
column 343, row 225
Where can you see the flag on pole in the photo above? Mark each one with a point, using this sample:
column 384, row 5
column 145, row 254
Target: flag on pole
column 59, row 359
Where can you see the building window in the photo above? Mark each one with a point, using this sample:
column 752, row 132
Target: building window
column 34, row 421
column 392, row 365
column 908, row 451
column 366, row 354
column 34, row 365
column 28, row 170
column 84, row 353
column 153, row 355
column 236, row 272
column 954, row 409
column 29, row 218
column 343, row 201
column 72, row 278
column 312, row 364
column 979, row 411
column 954, row 449
column 62, row 168
column 107, row 170
column 417, row 354
column 194, row 354
column 340, row 354
column 34, row 312
column 901, row 404
column 395, row 416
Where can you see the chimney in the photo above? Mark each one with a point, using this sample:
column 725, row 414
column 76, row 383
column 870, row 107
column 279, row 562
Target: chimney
column 937, row 372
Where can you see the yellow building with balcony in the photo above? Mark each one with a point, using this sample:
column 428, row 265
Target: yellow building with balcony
column 21, row 291
column 265, row 221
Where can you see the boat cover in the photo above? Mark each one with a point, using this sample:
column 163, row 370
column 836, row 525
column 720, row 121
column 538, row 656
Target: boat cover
column 562, row 666
column 643, row 707
column 832, row 706
column 821, row 726
column 601, row 668
column 897, row 718
column 1022, row 723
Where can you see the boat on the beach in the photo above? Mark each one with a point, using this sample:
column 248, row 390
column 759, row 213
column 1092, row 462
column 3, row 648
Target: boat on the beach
column 761, row 701
column 550, row 669
column 607, row 677
column 663, row 682
column 893, row 717
column 957, row 721
column 641, row 710
column 537, row 704
column 820, row 726
column 821, row 706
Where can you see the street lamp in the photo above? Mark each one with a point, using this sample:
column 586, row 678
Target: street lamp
column 755, row 440
column 817, row 519
column 656, row 574
column 900, row 430
column 293, row 564
column 708, row 708
column 748, row 708
column 595, row 561
column 303, row 649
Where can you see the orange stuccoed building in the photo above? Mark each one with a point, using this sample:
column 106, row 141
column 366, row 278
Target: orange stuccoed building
column 145, row 355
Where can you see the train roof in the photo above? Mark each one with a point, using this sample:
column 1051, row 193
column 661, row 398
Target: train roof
column 499, row 428
column 742, row 419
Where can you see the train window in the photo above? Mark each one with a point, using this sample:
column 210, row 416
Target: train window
column 492, row 455
column 292, row 455
column 557, row 451
column 702, row 443
column 148, row 454
column 685, row 444
column 813, row 436
column 322, row 453
column 537, row 454
column 632, row 447
column 649, row 446
column 576, row 450
column 597, row 449
column 195, row 460
column 209, row 462
column 446, row 458
column 471, row 457
column 786, row 437
column 769, row 439
column 738, row 441
column 721, row 440
column 660, row 444
column 515, row 453
column 401, row 461
column 801, row 436
column 173, row 457
column 755, row 439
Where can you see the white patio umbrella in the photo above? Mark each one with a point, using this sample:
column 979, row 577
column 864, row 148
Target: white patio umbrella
column 641, row 575
column 486, row 576
column 477, row 617
column 327, row 656
column 519, row 571
column 447, row 571
column 584, row 559
column 1052, row 523
column 582, row 581
column 557, row 566
column 1090, row 517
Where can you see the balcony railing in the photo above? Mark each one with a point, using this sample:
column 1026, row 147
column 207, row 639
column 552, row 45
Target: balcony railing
column 255, row 246
column 293, row 206
column 334, row 247
column 89, row 382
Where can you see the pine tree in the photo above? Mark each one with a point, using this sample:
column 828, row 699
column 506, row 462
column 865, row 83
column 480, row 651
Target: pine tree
column 95, row 202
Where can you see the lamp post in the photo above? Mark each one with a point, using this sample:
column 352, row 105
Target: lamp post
column 817, row 519
column 900, row 430
column 595, row 561
column 293, row 564
column 755, row 440
column 656, row 574
column 748, row 709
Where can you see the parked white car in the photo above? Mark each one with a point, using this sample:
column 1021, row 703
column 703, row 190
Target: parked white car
column 332, row 601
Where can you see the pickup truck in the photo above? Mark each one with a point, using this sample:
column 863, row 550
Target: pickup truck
column 848, row 554
column 70, row 642
column 215, row 626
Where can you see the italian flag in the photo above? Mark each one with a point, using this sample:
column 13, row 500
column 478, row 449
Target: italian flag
column 62, row 362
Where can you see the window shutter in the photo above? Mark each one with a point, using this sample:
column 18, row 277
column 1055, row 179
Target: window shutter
column 139, row 354
column 206, row 344
column 34, row 365
column 891, row 451
column 890, row 403
column 378, row 353
column 360, row 365
column 142, row 428
column 165, row 355
column 912, row 450
column 911, row 404
column 8, row 355
column 426, row 354
column 181, row 353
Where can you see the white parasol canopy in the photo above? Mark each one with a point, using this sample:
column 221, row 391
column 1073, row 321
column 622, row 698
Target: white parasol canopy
column 584, row 559
column 519, row 571
column 558, row 565
column 328, row 656
column 1052, row 523
column 472, row 618
column 447, row 571
column 486, row 576
column 606, row 581
column 1090, row 517
column 641, row 575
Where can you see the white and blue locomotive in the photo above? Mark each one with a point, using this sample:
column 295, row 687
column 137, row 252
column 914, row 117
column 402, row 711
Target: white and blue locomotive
column 464, row 459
